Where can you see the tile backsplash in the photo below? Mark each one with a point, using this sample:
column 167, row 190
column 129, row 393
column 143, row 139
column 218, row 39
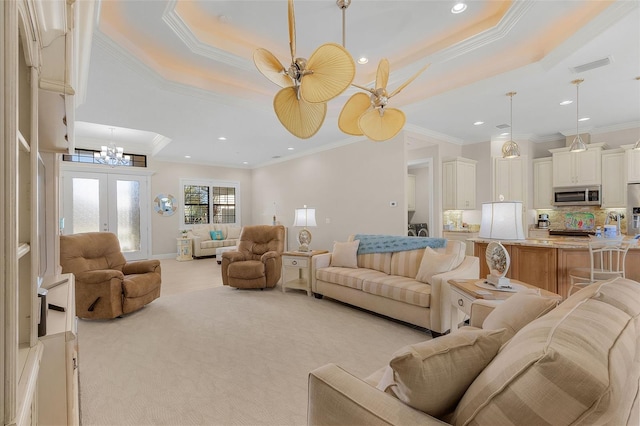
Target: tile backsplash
column 557, row 216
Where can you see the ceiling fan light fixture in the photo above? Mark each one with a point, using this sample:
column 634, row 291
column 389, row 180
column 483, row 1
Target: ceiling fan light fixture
column 459, row 8
column 578, row 144
column 510, row 149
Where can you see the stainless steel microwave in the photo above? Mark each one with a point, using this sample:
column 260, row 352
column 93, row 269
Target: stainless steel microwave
column 577, row 196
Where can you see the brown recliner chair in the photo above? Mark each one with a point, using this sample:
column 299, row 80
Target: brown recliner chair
column 258, row 261
column 107, row 286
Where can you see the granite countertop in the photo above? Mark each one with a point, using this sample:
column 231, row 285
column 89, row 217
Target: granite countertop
column 463, row 230
column 551, row 242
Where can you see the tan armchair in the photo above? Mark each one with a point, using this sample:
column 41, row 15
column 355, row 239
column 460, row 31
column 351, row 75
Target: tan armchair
column 258, row 261
column 107, row 286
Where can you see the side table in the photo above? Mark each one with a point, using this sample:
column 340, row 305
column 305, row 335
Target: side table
column 300, row 263
column 184, row 249
column 464, row 292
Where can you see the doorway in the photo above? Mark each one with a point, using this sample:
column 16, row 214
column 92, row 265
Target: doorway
column 108, row 202
column 423, row 214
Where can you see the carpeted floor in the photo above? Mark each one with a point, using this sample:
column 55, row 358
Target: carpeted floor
column 220, row 356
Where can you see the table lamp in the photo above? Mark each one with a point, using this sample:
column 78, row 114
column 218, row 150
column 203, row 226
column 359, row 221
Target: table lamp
column 304, row 217
column 500, row 221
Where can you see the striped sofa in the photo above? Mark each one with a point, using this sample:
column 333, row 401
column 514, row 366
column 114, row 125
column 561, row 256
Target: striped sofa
column 204, row 245
column 385, row 283
column 578, row 364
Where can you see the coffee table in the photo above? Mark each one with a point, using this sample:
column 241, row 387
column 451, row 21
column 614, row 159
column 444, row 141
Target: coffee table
column 464, row 292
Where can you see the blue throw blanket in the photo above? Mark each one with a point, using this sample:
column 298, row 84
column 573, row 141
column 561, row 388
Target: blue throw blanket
column 393, row 243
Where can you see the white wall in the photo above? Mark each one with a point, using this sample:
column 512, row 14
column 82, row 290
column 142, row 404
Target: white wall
column 166, row 180
column 350, row 187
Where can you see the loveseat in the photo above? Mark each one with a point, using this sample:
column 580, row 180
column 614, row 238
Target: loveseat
column 206, row 239
column 396, row 276
column 575, row 364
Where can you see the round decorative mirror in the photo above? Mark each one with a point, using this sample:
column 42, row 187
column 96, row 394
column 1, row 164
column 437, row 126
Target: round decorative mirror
column 165, row 204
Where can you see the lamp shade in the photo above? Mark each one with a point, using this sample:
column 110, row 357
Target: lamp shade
column 305, row 217
column 502, row 221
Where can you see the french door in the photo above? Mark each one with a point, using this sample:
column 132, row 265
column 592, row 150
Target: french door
column 108, row 202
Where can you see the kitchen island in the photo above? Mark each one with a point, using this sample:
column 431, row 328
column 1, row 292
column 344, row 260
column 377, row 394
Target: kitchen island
column 546, row 263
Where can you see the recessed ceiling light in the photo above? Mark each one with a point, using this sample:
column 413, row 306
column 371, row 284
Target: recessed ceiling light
column 478, row 123
column 563, row 103
column 584, row 119
column 504, row 134
column 222, row 138
column 362, row 60
column 459, row 8
column 245, row 162
column 291, row 148
column 187, row 156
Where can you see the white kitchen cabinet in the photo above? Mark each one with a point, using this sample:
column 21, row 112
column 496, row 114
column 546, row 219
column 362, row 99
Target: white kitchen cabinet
column 614, row 179
column 459, row 184
column 633, row 165
column 411, row 193
column 58, row 393
column 510, row 179
column 543, row 183
column 577, row 168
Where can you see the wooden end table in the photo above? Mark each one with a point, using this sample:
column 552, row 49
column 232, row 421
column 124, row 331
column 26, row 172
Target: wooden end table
column 300, row 262
column 464, row 292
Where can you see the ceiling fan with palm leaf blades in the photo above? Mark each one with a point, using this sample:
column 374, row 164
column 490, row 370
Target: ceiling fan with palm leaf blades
column 368, row 114
column 307, row 85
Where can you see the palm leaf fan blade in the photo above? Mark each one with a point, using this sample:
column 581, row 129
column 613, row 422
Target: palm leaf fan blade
column 271, row 68
column 382, row 75
column 300, row 118
column 332, row 71
column 382, row 127
column 406, row 83
column 351, row 112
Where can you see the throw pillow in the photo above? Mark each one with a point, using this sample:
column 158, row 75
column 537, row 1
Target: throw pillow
column 345, row 254
column 216, row 235
column 518, row 311
column 433, row 376
column 434, row 263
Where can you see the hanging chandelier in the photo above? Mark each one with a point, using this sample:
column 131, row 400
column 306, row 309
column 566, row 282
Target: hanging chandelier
column 577, row 145
column 510, row 149
column 112, row 155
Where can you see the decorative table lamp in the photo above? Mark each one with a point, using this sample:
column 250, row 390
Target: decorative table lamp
column 304, row 217
column 500, row 221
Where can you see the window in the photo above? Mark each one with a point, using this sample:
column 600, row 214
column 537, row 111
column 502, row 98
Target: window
column 210, row 202
column 82, row 155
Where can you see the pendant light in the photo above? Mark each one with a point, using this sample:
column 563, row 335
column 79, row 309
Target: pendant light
column 577, row 145
column 510, row 149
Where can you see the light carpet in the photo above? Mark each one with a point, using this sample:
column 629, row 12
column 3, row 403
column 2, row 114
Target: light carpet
column 222, row 356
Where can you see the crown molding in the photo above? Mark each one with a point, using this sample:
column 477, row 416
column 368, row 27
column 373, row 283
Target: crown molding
column 184, row 33
column 432, row 134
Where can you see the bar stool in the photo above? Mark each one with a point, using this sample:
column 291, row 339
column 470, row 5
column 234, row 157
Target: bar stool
column 607, row 258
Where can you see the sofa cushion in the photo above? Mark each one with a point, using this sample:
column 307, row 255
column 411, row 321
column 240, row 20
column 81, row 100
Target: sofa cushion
column 518, row 311
column 344, row 254
column 399, row 288
column 202, row 231
column 216, row 243
column 348, row 277
column 578, row 364
column 459, row 248
column 406, row 263
column 435, row 263
column 233, row 232
column 377, row 261
column 432, row 376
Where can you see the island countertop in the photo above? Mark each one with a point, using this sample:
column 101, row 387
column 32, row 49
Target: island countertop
column 546, row 263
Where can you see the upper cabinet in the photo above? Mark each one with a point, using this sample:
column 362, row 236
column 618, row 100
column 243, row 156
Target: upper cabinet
column 542, row 183
column 633, row 165
column 577, row 168
column 614, row 179
column 411, row 193
column 459, row 184
column 510, row 179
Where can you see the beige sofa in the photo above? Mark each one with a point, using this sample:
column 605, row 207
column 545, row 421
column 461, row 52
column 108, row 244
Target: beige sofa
column 204, row 245
column 386, row 283
column 578, row 364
